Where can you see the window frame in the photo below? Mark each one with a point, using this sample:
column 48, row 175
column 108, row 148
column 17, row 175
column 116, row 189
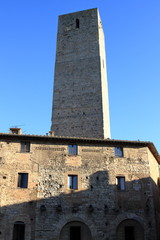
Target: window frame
column 118, row 151
column 72, row 182
column 120, row 183
column 22, row 180
column 25, row 147
column 72, row 149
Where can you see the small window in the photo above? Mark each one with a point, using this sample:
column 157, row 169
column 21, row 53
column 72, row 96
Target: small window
column 72, row 149
column 73, row 182
column 118, row 151
column 120, row 182
column 25, row 146
column 22, row 180
column 77, row 23
column 19, row 231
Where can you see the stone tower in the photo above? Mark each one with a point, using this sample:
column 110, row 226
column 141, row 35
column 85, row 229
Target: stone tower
column 80, row 99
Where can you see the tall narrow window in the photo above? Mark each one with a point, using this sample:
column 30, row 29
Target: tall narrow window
column 77, row 23
column 75, row 233
column 120, row 182
column 25, row 146
column 72, row 149
column 19, row 231
column 118, row 151
column 23, row 180
column 73, row 182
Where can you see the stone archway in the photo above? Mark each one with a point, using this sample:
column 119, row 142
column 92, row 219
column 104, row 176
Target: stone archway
column 75, row 230
column 130, row 229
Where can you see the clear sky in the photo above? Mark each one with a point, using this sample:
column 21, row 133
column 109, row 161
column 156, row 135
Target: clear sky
column 27, row 54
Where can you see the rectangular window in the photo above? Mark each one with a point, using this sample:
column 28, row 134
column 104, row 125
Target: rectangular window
column 129, row 233
column 75, row 233
column 77, row 23
column 73, row 181
column 120, row 182
column 72, row 149
column 22, row 180
column 118, row 152
column 25, row 146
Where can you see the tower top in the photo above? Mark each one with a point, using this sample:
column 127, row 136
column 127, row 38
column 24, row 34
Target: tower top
column 81, row 12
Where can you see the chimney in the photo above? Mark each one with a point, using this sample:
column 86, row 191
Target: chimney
column 51, row 133
column 15, row 131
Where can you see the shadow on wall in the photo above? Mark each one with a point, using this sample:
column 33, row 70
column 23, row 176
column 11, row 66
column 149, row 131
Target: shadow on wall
column 123, row 211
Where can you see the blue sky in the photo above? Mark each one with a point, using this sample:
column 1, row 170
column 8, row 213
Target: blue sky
column 27, row 56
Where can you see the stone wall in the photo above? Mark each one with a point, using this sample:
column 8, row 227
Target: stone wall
column 48, row 205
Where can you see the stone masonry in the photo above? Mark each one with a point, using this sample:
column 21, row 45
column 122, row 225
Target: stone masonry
column 49, row 208
column 80, row 99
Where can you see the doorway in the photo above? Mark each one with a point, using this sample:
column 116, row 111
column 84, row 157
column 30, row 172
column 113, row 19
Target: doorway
column 75, row 233
column 75, row 230
column 130, row 229
column 129, row 233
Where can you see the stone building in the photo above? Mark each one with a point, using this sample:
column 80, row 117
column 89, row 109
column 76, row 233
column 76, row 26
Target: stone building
column 78, row 184
column 63, row 188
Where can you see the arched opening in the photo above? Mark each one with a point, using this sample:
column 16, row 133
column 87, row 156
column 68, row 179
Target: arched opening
column 19, row 231
column 130, row 229
column 75, row 230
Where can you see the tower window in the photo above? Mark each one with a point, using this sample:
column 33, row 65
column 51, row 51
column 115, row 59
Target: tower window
column 19, row 231
column 72, row 149
column 73, row 182
column 22, row 180
column 77, row 23
column 25, row 146
column 120, row 182
column 118, row 152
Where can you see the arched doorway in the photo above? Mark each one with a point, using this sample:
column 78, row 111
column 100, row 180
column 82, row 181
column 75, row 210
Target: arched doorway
column 130, row 229
column 75, row 230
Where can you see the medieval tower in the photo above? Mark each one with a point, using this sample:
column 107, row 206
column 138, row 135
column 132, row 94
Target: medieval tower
column 80, row 99
column 67, row 188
